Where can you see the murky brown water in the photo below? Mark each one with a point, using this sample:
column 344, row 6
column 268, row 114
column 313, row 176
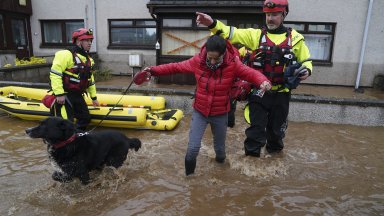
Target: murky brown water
column 325, row 169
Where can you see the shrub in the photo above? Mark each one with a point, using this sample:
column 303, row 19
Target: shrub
column 100, row 73
column 31, row 61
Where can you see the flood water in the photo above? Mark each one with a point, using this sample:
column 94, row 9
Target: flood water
column 325, row 169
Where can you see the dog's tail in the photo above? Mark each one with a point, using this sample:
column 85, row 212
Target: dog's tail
column 134, row 143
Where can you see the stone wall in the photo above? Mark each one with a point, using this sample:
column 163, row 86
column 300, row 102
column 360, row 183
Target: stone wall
column 7, row 57
column 28, row 73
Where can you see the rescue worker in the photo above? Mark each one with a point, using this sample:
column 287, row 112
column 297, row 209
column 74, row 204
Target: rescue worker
column 240, row 89
column 274, row 47
column 71, row 77
column 215, row 69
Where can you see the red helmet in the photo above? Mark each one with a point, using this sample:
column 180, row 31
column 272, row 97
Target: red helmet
column 271, row 6
column 82, row 34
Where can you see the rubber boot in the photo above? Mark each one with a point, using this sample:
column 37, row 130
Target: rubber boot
column 253, row 154
column 220, row 159
column 190, row 166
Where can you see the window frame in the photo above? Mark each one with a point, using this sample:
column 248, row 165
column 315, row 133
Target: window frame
column 134, row 25
column 228, row 20
column 193, row 27
column 307, row 31
column 3, row 36
column 63, row 33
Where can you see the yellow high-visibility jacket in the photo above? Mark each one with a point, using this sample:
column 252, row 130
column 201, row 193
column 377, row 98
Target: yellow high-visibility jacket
column 61, row 63
column 250, row 38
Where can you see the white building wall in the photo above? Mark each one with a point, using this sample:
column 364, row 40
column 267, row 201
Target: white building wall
column 49, row 10
column 350, row 17
column 374, row 53
column 117, row 60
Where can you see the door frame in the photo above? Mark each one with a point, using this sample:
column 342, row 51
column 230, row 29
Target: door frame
column 7, row 19
column 22, row 51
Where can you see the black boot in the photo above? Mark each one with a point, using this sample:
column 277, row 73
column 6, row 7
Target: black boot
column 253, row 154
column 220, row 159
column 190, row 166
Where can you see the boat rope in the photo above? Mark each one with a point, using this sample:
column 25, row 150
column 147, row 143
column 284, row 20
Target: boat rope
column 114, row 106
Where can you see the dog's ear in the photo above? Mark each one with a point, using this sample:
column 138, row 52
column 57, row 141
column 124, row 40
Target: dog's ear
column 64, row 124
column 67, row 127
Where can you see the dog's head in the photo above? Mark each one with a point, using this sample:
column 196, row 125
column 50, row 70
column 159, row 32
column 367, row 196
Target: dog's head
column 52, row 129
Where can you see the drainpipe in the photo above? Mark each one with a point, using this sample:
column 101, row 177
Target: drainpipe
column 157, row 46
column 94, row 25
column 86, row 17
column 364, row 44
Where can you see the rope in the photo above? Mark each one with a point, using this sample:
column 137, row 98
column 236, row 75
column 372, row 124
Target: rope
column 110, row 110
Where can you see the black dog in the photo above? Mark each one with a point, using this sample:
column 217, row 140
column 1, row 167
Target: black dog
column 78, row 153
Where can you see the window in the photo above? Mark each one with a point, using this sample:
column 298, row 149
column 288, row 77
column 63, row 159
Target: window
column 177, row 22
column 3, row 41
column 132, row 34
column 18, row 32
column 319, row 38
column 182, row 37
column 244, row 23
column 58, row 33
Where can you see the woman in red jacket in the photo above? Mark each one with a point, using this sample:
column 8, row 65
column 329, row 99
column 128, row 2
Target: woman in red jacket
column 215, row 68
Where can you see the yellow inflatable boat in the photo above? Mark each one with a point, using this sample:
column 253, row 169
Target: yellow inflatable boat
column 149, row 102
column 121, row 117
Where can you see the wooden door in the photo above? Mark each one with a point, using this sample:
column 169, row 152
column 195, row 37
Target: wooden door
column 20, row 37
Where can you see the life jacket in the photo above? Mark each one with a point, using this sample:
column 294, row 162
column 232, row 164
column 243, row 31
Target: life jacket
column 77, row 78
column 272, row 58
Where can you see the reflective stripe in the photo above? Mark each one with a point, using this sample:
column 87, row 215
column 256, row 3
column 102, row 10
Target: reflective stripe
column 74, row 80
column 71, row 74
column 56, row 72
column 92, row 83
column 231, row 30
column 281, row 87
column 246, row 114
column 78, row 61
column 63, row 112
column 263, row 39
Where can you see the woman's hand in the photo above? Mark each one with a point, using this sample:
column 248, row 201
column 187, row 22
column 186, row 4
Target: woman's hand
column 265, row 86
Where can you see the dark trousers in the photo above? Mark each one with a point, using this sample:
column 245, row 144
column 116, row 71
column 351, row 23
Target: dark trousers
column 74, row 108
column 268, row 117
column 231, row 113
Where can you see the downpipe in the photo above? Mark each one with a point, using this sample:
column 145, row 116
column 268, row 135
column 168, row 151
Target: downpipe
column 363, row 46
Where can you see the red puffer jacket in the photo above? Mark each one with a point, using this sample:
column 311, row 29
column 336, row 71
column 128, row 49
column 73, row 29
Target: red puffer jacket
column 213, row 87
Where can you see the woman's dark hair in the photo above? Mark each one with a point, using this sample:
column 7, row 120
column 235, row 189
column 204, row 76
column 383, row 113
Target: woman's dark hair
column 215, row 43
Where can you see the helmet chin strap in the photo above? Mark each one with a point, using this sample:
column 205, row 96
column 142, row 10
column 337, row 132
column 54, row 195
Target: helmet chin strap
column 82, row 48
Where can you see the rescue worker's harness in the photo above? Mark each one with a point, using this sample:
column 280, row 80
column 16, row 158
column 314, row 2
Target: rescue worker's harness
column 77, row 78
column 272, row 58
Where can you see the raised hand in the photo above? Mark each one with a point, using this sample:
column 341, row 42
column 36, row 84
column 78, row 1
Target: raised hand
column 203, row 19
